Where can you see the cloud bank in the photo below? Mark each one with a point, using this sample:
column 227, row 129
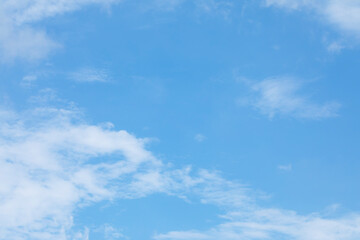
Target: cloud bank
column 45, row 171
column 52, row 163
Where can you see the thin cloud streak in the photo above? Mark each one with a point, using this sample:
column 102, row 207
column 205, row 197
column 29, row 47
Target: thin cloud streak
column 90, row 75
column 279, row 96
column 285, row 167
column 199, row 137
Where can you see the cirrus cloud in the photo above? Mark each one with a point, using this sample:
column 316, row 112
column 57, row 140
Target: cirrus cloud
column 281, row 96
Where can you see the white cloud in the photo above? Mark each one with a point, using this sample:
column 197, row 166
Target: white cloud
column 280, row 96
column 335, row 47
column 219, row 7
column 183, row 235
column 23, row 42
column 343, row 14
column 52, row 163
column 112, row 233
column 28, row 80
column 19, row 39
column 166, row 5
column 199, row 137
column 293, row 4
column 45, row 171
column 90, row 75
column 285, row 167
column 25, row 11
column 275, row 224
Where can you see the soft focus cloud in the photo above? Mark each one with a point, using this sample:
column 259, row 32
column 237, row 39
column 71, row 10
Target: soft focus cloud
column 28, row 80
column 90, row 75
column 23, row 42
column 281, row 96
column 287, row 167
column 199, row 137
column 342, row 14
column 19, row 39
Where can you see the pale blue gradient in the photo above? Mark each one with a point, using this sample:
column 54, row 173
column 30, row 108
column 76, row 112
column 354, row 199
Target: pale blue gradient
column 184, row 76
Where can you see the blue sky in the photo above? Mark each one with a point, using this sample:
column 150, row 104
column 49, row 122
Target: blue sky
column 179, row 120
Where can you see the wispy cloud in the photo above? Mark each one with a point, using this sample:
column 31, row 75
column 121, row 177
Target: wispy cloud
column 335, row 47
column 19, row 39
column 199, row 137
column 281, row 96
column 52, row 162
column 23, row 42
column 164, row 5
column 45, row 173
column 344, row 15
column 90, row 75
column 287, row 167
column 274, row 224
column 28, row 80
column 112, row 233
column 222, row 7
column 217, row 7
